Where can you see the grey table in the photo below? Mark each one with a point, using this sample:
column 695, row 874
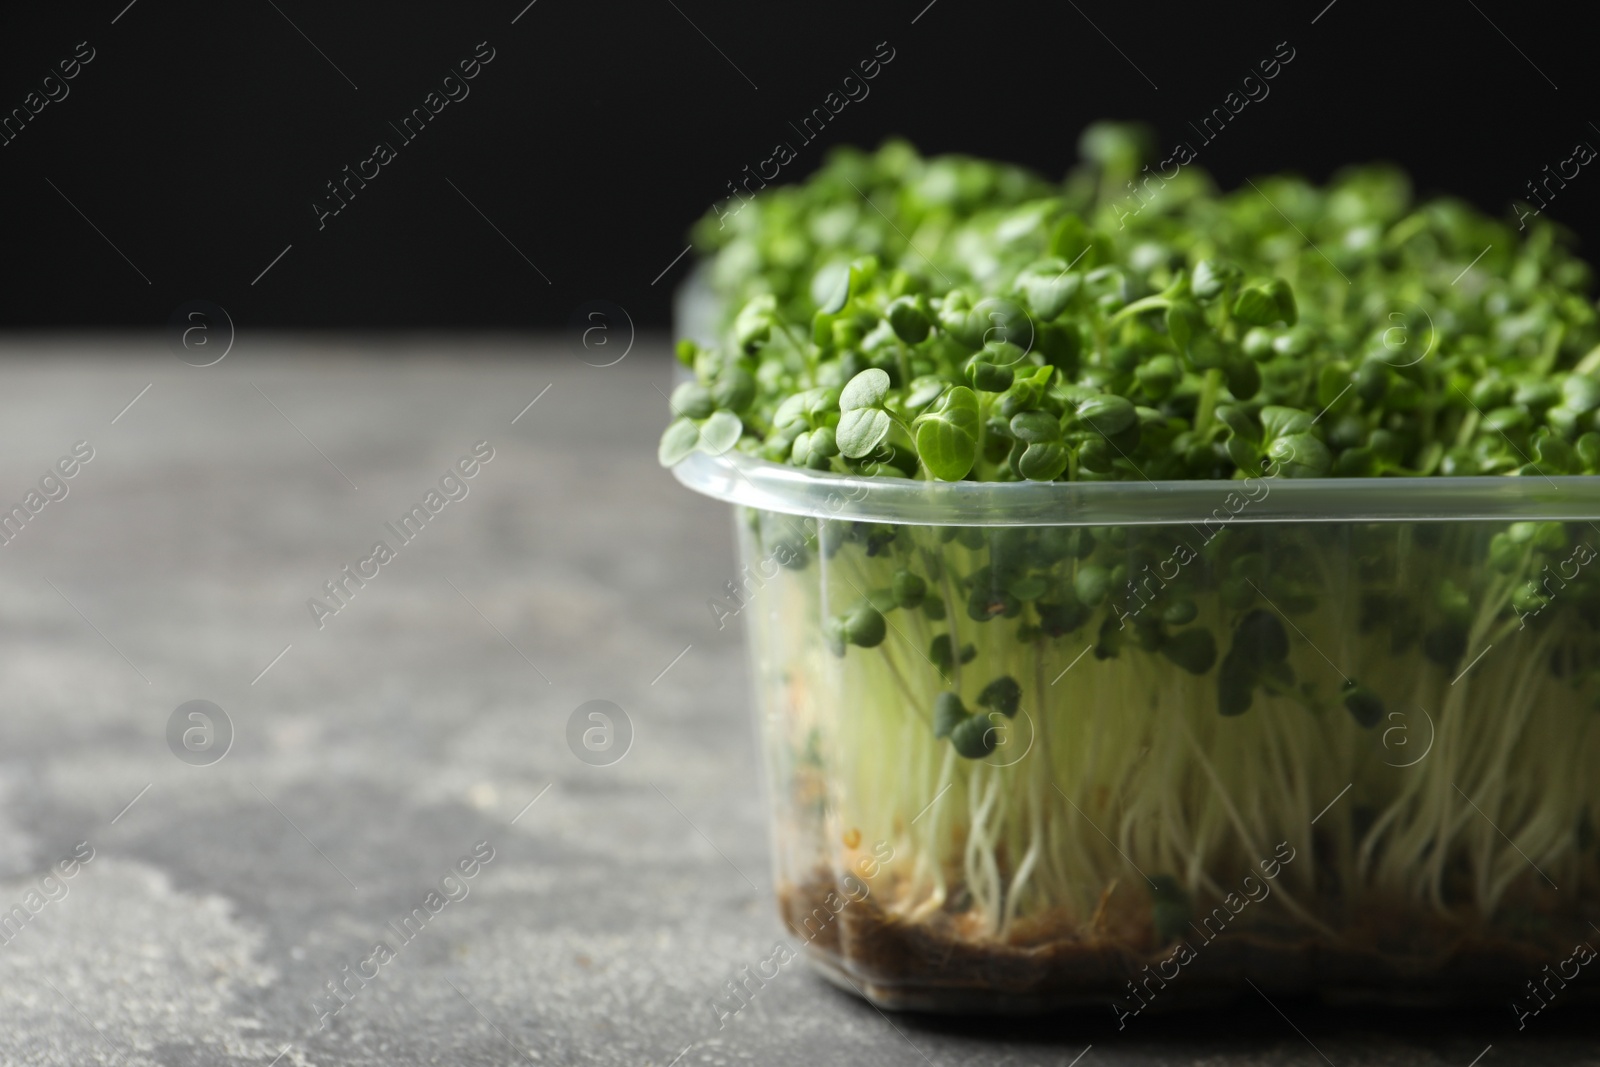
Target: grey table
column 373, row 753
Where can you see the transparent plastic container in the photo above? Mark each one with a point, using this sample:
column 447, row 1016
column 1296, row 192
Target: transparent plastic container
column 1331, row 737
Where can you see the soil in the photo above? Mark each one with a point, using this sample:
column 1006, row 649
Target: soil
column 1399, row 958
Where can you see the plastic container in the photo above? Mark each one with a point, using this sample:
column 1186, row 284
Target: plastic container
column 1332, row 737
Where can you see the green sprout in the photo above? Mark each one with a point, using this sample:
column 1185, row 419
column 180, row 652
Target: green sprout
column 1244, row 674
column 1033, row 336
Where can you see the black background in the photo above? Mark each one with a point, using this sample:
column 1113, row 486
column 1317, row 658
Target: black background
column 200, row 135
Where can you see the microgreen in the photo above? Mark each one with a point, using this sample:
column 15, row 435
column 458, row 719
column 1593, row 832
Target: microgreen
column 1035, row 332
column 1354, row 315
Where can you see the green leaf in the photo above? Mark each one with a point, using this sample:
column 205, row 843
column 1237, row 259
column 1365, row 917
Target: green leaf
column 830, row 288
column 1094, row 456
column 1003, row 353
column 1211, row 276
column 1580, row 393
column 734, row 390
column 948, row 712
column 865, row 626
column 975, row 737
column 1553, row 455
column 947, row 437
column 953, row 315
column 1245, row 456
column 1257, row 344
column 1158, row 376
column 1183, row 322
column 720, row 432
column 1003, row 695
column 909, row 322
column 1071, row 239
column 677, row 442
column 1091, row 584
column 1333, row 380
column 1355, row 463
column 1194, row 650
column 1244, row 379
column 1589, row 452
column 1257, row 305
column 1049, row 289
column 1283, row 296
column 1282, row 421
column 1301, row 455
column 1260, row 636
column 1180, row 612
column 925, row 390
column 795, row 408
column 1043, row 462
column 1031, row 587
column 1239, row 421
column 865, row 390
column 908, row 589
column 691, row 400
column 1108, row 414
column 996, row 322
column 753, row 325
column 1035, row 427
column 988, row 377
column 1205, row 351
column 1117, row 146
column 861, row 430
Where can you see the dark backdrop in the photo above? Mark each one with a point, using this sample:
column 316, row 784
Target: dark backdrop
column 186, row 156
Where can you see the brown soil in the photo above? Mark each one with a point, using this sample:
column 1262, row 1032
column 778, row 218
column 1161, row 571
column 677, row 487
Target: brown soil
column 944, row 964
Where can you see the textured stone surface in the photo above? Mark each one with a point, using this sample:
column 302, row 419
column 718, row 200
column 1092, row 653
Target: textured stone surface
column 380, row 749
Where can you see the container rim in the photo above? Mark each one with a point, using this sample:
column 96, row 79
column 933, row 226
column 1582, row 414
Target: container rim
column 746, row 480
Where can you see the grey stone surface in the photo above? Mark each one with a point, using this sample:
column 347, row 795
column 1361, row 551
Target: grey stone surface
column 421, row 719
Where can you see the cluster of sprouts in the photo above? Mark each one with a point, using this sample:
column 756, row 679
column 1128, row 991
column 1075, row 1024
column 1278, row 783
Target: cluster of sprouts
column 1000, row 705
column 1059, row 725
